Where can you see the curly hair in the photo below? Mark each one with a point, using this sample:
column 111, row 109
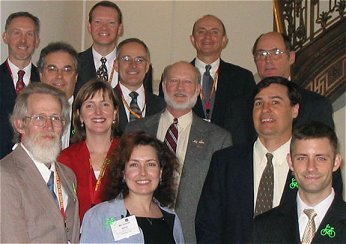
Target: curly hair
column 165, row 192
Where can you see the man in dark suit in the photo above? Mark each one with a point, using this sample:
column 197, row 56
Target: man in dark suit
column 132, row 63
column 197, row 139
column 273, row 56
column 230, row 196
column 313, row 158
column 105, row 27
column 38, row 198
column 22, row 37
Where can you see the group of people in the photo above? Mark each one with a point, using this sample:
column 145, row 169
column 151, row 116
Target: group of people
column 98, row 157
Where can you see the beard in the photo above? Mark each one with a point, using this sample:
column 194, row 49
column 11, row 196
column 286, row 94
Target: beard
column 47, row 151
column 189, row 104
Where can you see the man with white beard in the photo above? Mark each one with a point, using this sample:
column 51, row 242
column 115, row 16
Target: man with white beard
column 195, row 142
column 38, row 198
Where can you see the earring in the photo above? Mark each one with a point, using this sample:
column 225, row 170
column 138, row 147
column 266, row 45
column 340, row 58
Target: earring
column 113, row 122
column 82, row 124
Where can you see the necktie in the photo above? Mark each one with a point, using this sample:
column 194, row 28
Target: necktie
column 310, row 228
column 134, row 108
column 102, row 73
column 50, row 185
column 20, row 83
column 171, row 137
column 264, row 201
column 207, row 85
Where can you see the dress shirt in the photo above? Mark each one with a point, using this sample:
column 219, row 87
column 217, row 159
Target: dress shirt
column 65, row 139
column 320, row 209
column 110, row 61
column 184, row 126
column 280, row 168
column 45, row 173
column 140, row 99
column 14, row 72
column 200, row 65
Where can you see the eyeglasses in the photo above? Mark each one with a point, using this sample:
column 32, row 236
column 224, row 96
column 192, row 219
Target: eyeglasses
column 263, row 54
column 138, row 60
column 41, row 120
column 52, row 69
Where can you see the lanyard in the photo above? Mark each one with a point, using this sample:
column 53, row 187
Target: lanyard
column 102, row 172
column 138, row 116
column 112, row 73
column 61, row 202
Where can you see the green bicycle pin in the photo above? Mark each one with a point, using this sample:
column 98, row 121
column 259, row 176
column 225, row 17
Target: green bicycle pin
column 109, row 222
column 329, row 231
column 294, row 183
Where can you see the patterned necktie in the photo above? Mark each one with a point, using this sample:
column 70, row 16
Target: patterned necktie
column 20, row 83
column 171, row 137
column 134, row 108
column 310, row 228
column 102, row 73
column 207, row 85
column 264, row 201
column 50, row 185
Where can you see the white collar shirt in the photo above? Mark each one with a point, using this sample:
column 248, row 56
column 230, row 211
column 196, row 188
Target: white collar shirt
column 140, row 99
column 14, row 72
column 110, row 65
column 200, row 65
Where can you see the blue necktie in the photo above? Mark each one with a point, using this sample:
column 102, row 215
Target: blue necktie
column 50, row 185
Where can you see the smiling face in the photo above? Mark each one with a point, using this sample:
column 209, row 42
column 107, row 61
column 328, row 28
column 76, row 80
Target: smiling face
column 22, row 40
column 98, row 113
column 142, row 171
column 65, row 77
column 313, row 162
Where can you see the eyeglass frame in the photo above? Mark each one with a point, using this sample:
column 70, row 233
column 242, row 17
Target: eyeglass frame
column 66, row 70
column 139, row 60
column 53, row 118
column 274, row 53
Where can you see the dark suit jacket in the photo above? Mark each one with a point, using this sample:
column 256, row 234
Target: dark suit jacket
column 226, row 208
column 204, row 139
column 28, row 210
column 7, row 100
column 87, row 71
column 280, row 225
column 314, row 107
column 154, row 104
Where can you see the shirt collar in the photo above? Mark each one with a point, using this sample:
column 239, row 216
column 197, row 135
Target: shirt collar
column 15, row 69
column 125, row 91
column 280, row 152
column 110, row 56
column 200, row 65
column 183, row 121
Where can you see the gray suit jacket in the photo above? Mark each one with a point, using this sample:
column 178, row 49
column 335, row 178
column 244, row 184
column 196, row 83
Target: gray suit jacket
column 28, row 210
column 205, row 138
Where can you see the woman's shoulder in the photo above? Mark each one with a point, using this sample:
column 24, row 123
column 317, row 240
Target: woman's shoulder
column 114, row 208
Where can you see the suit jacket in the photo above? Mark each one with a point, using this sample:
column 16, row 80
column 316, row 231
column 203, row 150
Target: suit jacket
column 280, row 224
column 7, row 100
column 314, row 107
column 87, row 71
column 226, row 207
column 154, row 104
column 28, row 210
column 204, row 139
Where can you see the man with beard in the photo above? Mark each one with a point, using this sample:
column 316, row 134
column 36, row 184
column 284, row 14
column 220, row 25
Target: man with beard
column 38, row 199
column 195, row 139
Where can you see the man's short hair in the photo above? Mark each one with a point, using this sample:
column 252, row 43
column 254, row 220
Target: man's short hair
column 107, row 4
column 287, row 42
column 12, row 16
column 169, row 67
column 314, row 130
column 213, row 16
column 293, row 89
column 131, row 40
column 57, row 47
column 20, row 109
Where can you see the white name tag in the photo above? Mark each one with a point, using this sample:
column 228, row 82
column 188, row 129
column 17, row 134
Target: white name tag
column 124, row 228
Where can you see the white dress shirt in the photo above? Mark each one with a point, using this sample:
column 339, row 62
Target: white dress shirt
column 14, row 71
column 110, row 64
column 140, row 99
column 200, row 65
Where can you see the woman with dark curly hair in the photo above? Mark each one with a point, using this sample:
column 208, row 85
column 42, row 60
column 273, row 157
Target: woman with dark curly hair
column 141, row 189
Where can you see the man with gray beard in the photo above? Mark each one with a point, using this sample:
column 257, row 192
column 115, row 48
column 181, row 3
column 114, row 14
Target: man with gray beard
column 193, row 139
column 38, row 198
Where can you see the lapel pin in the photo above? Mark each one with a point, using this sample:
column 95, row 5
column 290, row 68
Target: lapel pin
column 110, row 221
column 198, row 142
column 329, row 231
column 294, row 183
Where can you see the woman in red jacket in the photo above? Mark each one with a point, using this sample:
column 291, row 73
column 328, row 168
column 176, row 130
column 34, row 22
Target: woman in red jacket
column 95, row 121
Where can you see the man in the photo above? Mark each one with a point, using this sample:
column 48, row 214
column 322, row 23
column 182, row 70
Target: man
column 196, row 140
column 240, row 177
column 38, row 199
column 274, row 56
column 132, row 63
column 22, row 37
column 313, row 158
column 58, row 67
column 105, row 27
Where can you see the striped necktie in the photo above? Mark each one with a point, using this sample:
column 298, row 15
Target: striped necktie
column 171, row 137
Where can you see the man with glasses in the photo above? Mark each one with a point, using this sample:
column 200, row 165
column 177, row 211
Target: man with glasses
column 38, row 198
column 273, row 56
column 132, row 63
column 58, row 67
column 22, row 38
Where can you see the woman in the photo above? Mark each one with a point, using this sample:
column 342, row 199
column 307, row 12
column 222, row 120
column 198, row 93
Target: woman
column 142, row 184
column 95, row 120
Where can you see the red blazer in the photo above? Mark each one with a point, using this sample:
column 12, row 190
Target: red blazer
column 77, row 157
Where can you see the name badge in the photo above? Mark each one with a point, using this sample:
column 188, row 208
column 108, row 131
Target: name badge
column 124, row 228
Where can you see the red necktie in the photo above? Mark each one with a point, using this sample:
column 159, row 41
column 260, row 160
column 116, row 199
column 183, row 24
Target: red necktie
column 20, row 83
